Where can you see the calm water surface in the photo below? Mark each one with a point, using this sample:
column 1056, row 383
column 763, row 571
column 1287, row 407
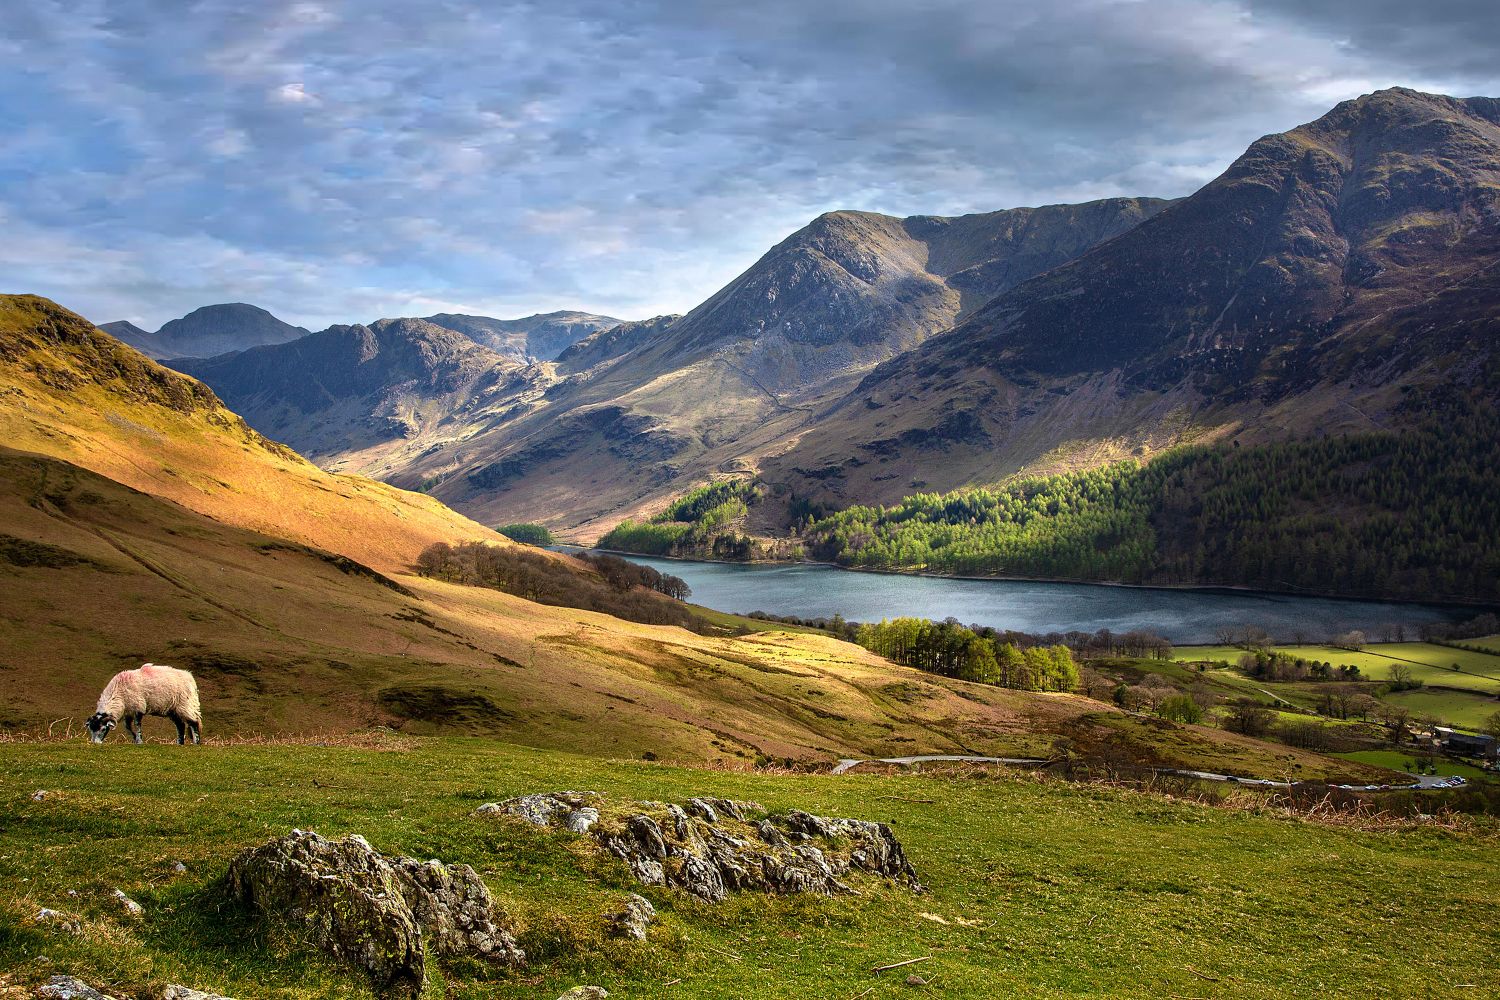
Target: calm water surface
column 1183, row 616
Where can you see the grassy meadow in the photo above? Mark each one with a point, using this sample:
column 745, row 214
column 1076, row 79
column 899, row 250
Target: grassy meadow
column 1038, row 888
column 1463, row 697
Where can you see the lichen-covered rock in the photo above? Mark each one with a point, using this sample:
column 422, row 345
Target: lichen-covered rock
column 710, row 847
column 634, row 919
column 571, row 810
column 382, row 914
column 68, row 988
column 585, row 993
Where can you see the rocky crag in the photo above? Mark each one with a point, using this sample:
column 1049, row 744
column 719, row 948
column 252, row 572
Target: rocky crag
column 709, row 847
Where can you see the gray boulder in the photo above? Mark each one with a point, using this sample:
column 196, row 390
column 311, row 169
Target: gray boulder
column 381, row 914
column 68, row 988
column 711, row 847
column 634, row 919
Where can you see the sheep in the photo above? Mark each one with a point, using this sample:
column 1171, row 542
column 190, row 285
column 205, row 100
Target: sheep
column 152, row 689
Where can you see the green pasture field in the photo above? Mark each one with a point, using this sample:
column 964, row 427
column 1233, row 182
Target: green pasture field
column 1037, row 888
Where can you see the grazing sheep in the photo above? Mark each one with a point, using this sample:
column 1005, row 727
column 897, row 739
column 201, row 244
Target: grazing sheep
column 150, row 690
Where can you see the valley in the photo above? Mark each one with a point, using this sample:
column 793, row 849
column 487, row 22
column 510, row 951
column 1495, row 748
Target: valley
column 1089, row 599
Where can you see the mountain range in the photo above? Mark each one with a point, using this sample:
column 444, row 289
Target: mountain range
column 1326, row 274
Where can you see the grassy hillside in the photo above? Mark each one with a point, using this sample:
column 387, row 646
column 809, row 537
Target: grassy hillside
column 286, row 638
column 1037, row 889
column 73, row 392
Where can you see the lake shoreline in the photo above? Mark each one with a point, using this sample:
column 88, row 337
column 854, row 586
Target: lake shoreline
column 1189, row 588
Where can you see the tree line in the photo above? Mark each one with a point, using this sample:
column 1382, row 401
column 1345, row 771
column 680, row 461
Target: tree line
column 1414, row 514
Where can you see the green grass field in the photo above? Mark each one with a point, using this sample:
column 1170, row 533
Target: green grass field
column 1396, row 760
column 1464, row 697
column 1038, row 888
column 1457, row 708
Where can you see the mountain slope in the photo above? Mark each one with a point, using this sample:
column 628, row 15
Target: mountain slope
column 209, row 330
column 541, row 337
column 70, row 391
column 1298, row 293
column 742, row 373
column 351, row 395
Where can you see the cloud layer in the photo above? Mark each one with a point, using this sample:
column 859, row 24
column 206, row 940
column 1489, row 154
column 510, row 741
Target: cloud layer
column 341, row 161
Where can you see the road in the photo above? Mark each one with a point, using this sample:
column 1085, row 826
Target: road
column 1422, row 782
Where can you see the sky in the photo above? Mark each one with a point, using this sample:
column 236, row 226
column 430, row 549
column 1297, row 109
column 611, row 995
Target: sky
column 340, row 162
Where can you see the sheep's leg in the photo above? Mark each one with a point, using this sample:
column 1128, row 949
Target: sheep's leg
column 181, row 728
column 196, row 728
column 135, row 732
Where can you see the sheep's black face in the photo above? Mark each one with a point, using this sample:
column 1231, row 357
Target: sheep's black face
column 99, row 725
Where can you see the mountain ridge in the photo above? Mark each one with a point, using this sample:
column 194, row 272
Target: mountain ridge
column 207, row 331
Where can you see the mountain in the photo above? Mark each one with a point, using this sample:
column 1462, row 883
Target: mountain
column 207, row 331
column 360, row 394
column 541, row 337
column 1305, row 291
column 588, row 441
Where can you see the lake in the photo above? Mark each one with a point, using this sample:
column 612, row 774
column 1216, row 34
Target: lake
column 1183, row 616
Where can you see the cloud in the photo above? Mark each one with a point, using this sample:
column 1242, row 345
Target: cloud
column 292, row 93
column 339, row 161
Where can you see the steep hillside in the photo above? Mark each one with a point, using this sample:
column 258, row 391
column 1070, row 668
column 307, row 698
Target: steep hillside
column 361, row 396
column 72, row 392
column 1326, row 270
column 614, row 342
column 541, row 337
column 208, row 331
column 744, row 372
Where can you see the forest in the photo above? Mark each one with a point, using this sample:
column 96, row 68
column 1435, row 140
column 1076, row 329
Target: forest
column 701, row 524
column 1403, row 515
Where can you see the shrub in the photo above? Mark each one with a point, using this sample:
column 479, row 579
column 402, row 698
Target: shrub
column 609, row 585
column 527, row 534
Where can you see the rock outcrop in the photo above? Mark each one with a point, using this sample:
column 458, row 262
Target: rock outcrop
column 633, row 920
column 710, row 847
column 69, row 988
column 380, row 913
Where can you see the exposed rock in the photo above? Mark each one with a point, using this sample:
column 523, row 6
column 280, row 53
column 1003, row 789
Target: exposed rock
column 68, row 988
column 382, row 914
column 713, row 846
column 634, row 919
column 585, row 993
column 56, row 920
column 188, row 993
column 548, row 809
column 38, row 795
column 127, row 905
column 178, row 868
